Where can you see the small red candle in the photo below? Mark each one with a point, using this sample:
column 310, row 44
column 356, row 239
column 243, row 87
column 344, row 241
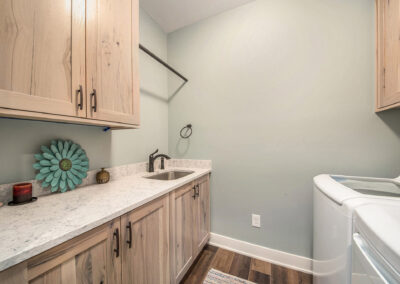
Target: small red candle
column 22, row 192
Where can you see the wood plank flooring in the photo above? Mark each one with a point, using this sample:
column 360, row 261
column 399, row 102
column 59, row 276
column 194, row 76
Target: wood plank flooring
column 242, row 266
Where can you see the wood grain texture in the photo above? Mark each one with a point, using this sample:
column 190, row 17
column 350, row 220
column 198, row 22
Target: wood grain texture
column 387, row 54
column 223, row 260
column 259, row 278
column 60, row 118
column 243, row 267
column 283, row 275
column 182, row 231
column 240, row 266
column 201, row 266
column 38, row 55
column 147, row 260
column 18, row 274
column 88, row 258
column 260, row 266
column 202, row 214
column 112, row 29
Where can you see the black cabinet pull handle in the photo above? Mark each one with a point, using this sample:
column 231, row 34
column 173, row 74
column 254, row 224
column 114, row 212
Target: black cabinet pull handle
column 194, row 192
column 93, row 95
column 116, row 235
column 129, row 227
column 80, row 93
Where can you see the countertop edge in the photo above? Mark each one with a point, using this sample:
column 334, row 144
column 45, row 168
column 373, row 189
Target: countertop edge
column 25, row 255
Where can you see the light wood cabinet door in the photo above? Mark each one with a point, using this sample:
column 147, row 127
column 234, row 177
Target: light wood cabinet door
column 182, row 229
column 201, row 214
column 90, row 258
column 145, row 253
column 42, row 56
column 112, row 60
column 388, row 54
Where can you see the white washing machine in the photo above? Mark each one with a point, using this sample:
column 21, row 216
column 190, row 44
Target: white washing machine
column 376, row 245
column 335, row 199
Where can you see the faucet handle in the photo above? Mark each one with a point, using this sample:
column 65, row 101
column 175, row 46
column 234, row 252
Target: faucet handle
column 155, row 152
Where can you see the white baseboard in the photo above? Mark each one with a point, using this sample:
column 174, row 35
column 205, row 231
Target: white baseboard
column 281, row 258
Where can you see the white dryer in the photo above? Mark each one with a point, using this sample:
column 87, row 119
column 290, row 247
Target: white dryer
column 376, row 245
column 335, row 199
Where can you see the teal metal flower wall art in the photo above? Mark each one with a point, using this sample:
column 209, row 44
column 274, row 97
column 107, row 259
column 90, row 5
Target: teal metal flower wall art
column 62, row 166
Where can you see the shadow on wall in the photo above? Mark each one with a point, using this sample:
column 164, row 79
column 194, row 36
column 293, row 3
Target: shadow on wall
column 21, row 139
column 153, row 95
column 392, row 119
column 182, row 147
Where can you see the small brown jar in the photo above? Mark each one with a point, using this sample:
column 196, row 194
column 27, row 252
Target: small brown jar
column 22, row 192
column 103, row 176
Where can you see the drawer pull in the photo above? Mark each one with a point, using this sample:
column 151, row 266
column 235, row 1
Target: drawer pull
column 194, row 192
column 129, row 241
column 93, row 96
column 116, row 235
column 80, row 93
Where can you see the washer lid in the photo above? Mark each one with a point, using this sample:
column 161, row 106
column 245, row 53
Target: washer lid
column 379, row 224
column 340, row 188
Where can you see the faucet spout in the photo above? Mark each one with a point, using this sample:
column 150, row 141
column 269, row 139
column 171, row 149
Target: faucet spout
column 152, row 158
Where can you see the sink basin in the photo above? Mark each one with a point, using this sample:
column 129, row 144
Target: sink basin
column 170, row 175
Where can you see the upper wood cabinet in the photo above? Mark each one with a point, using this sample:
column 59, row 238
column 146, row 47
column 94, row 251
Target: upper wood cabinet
column 112, row 60
column 42, row 55
column 70, row 60
column 388, row 54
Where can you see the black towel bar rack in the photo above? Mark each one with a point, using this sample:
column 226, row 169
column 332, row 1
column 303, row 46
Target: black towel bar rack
column 155, row 57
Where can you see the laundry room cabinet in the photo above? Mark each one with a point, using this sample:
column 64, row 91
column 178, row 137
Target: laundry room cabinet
column 72, row 61
column 387, row 55
column 156, row 242
column 190, row 225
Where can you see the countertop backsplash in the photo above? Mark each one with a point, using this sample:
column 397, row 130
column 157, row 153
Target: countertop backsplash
column 115, row 173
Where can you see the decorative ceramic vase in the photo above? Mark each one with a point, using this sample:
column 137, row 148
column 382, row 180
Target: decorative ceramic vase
column 62, row 166
column 103, row 176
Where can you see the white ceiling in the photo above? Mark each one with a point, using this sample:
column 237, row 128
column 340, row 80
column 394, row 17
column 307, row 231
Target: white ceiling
column 175, row 14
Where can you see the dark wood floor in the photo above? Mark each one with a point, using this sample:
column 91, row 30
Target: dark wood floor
column 242, row 266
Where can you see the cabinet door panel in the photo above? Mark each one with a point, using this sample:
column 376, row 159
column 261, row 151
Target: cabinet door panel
column 89, row 258
column 182, row 231
column 147, row 260
column 202, row 215
column 112, row 60
column 42, row 51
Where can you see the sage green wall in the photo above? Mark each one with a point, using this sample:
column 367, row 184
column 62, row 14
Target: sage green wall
column 278, row 92
column 20, row 139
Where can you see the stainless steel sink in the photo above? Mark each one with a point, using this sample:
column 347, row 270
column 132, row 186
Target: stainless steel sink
column 170, row 175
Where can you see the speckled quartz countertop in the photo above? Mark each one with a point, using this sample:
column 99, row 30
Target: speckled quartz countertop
column 27, row 230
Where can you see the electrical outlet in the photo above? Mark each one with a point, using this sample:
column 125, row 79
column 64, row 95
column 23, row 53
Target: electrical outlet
column 255, row 220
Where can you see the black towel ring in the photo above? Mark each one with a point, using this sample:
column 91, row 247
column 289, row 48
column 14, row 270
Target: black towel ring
column 186, row 131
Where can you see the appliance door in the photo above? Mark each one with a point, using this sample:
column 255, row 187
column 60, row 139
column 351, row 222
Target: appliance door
column 369, row 267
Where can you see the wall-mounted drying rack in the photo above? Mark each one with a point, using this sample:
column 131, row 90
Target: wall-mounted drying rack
column 155, row 57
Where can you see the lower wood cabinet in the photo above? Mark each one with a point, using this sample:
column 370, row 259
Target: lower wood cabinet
column 145, row 244
column 182, row 231
column 202, row 214
column 153, row 244
column 90, row 258
column 190, row 225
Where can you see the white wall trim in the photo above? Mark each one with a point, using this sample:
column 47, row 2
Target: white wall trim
column 285, row 259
